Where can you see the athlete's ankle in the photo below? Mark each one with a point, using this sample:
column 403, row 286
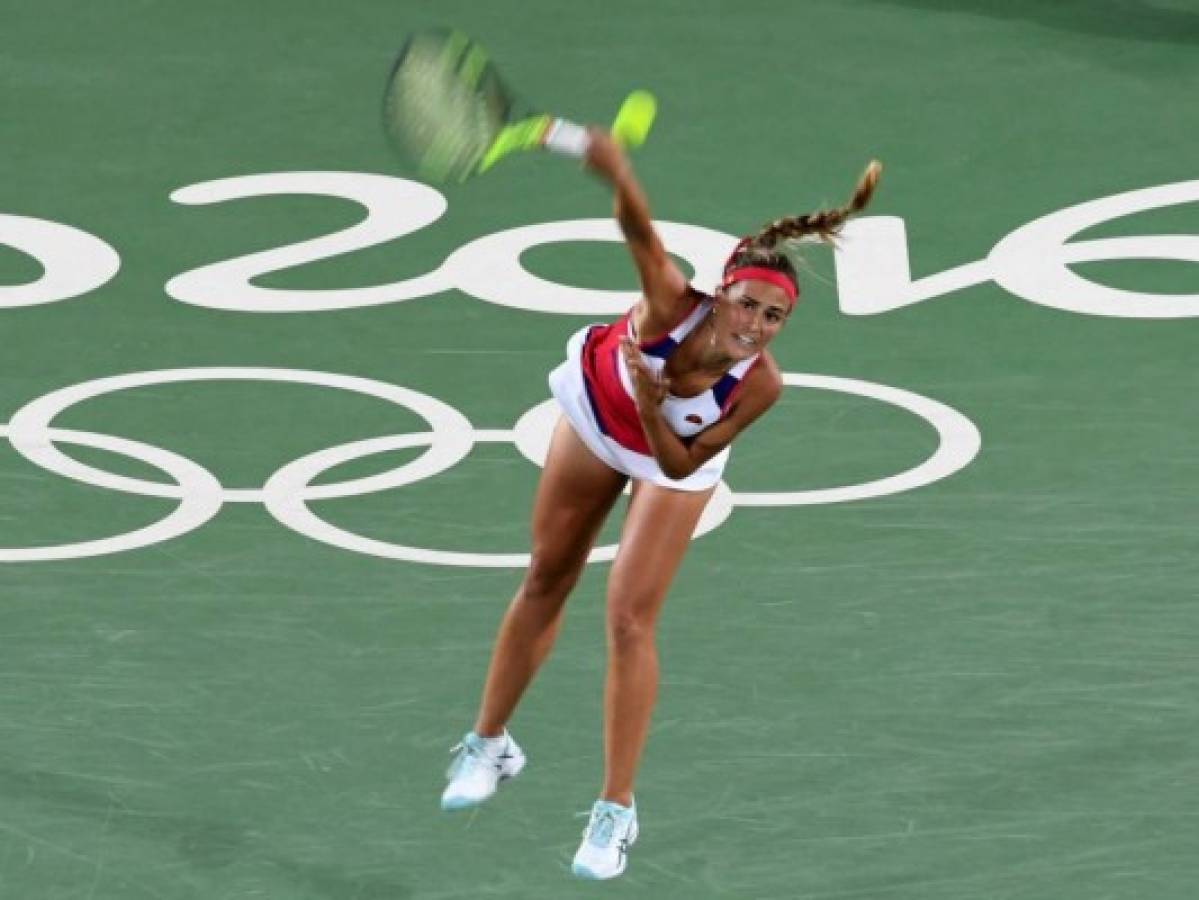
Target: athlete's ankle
column 620, row 798
column 489, row 733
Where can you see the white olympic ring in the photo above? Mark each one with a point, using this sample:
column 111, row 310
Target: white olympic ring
column 201, row 495
column 959, row 442
column 285, row 501
column 452, row 430
column 288, row 491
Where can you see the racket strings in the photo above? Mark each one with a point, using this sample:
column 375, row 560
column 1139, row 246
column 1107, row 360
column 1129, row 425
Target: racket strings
column 444, row 106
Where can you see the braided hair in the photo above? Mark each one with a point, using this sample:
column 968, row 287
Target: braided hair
column 767, row 249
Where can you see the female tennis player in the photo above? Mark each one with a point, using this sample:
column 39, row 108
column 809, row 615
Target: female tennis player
column 656, row 398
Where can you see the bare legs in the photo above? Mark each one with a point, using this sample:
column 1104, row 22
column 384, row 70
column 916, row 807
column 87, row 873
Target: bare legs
column 575, row 495
column 655, row 537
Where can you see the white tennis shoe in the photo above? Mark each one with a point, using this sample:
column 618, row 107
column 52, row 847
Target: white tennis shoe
column 479, row 765
column 610, row 833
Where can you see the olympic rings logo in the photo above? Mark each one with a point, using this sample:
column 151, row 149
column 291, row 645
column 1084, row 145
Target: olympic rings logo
column 288, row 493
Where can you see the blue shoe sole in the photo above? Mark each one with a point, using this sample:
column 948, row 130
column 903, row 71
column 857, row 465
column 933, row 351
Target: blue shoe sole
column 588, row 875
column 456, row 805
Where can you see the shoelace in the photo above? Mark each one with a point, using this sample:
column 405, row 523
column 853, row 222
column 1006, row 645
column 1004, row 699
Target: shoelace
column 469, row 755
column 601, row 828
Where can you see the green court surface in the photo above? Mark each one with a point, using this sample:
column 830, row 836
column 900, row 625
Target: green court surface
column 983, row 687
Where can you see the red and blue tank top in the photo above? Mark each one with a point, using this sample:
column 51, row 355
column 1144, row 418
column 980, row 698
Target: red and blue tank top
column 610, row 385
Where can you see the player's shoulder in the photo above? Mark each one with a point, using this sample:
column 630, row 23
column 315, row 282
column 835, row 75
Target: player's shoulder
column 764, row 378
column 761, row 386
column 652, row 320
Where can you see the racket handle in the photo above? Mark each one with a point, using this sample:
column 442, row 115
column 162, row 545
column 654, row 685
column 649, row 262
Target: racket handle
column 566, row 138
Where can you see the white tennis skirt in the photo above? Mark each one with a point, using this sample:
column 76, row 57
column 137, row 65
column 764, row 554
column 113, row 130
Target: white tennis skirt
column 570, row 391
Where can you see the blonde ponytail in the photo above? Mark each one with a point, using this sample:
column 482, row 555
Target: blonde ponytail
column 825, row 223
column 768, row 248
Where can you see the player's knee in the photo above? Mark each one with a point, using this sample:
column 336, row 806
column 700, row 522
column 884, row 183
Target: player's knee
column 629, row 627
column 547, row 583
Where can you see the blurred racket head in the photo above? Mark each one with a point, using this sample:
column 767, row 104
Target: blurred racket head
column 446, row 109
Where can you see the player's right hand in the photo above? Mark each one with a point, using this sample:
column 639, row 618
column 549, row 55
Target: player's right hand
column 605, row 156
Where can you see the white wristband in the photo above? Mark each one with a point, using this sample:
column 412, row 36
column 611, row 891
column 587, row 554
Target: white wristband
column 567, row 138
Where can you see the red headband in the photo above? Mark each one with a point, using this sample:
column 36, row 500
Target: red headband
column 758, row 273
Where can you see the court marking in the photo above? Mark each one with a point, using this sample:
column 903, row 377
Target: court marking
column 287, row 493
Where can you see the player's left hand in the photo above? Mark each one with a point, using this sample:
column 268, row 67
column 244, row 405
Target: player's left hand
column 649, row 388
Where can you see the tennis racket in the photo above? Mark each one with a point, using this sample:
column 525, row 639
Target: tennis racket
column 447, row 110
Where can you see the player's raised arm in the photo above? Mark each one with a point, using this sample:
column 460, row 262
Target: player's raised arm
column 664, row 286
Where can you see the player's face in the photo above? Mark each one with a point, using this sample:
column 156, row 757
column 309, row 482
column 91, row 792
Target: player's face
column 748, row 316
